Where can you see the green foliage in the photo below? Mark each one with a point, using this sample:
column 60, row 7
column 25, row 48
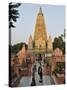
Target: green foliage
column 59, row 43
column 47, row 62
column 59, row 67
column 15, row 48
column 13, row 13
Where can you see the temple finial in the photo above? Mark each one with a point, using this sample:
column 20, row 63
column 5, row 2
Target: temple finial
column 40, row 11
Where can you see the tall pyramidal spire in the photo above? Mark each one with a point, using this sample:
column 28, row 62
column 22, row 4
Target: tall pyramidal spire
column 40, row 35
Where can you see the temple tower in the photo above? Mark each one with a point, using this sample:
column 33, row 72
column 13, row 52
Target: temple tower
column 41, row 42
column 40, row 34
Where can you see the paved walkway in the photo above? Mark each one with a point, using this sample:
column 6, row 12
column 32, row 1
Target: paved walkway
column 47, row 80
column 26, row 81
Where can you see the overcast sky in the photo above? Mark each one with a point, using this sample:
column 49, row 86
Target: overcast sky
column 54, row 17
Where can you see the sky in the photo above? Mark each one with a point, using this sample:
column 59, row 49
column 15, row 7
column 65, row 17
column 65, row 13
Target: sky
column 54, row 16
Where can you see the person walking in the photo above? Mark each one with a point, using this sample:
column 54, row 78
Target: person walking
column 40, row 73
column 33, row 83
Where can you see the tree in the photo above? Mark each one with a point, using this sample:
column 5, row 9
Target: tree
column 63, row 36
column 55, row 43
column 17, row 47
column 59, row 43
column 13, row 14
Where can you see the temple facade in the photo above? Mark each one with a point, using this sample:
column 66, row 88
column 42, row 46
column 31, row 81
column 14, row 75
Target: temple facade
column 41, row 41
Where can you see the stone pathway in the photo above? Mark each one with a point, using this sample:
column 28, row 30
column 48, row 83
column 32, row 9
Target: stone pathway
column 26, row 81
column 47, row 80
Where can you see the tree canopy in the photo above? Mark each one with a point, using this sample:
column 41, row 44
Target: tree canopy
column 59, row 43
column 13, row 13
column 17, row 47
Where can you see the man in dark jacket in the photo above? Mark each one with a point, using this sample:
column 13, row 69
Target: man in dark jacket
column 40, row 73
